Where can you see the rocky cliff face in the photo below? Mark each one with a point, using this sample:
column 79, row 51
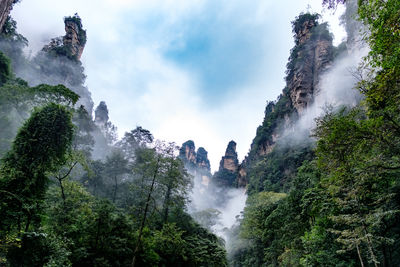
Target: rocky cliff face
column 72, row 43
column 5, row 9
column 101, row 114
column 242, row 174
column 75, row 37
column 311, row 56
column 229, row 161
column 196, row 163
column 59, row 62
column 202, row 161
column 228, row 167
column 353, row 27
column 187, row 153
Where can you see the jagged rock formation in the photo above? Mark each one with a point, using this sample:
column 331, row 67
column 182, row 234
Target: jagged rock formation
column 102, row 121
column 353, row 27
column 75, row 37
column 230, row 161
column 105, row 133
column 101, row 114
column 73, row 42
column 187, row 154
column 59, row 63
column 202, row 161
column 242, row 174
column 228, row 167
column 196, row 163
column 5, row 9
column 311, row 57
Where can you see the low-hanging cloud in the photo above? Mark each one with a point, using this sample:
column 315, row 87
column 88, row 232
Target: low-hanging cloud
column 337, row 87
column 216, row 207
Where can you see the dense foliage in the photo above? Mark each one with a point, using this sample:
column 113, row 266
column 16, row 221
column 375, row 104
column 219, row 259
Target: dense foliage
column 342, row 205
column 71, row 194
column 62, row 206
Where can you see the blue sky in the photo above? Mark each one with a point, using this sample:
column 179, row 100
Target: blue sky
column 184, row 69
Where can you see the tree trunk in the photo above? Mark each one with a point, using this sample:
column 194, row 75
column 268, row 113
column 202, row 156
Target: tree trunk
column 28, row 222
column 145, row 214
column 98, row 233
column 370, row 247
column 166, row 204
column 115, row 188
column 61, row 178
column 62, row 191
column 359, row 256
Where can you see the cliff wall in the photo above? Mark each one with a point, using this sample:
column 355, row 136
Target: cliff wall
column 5, row 9
column 196, row 163
column 310, row 57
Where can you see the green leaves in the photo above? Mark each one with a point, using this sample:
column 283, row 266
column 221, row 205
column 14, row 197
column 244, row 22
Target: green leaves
column 58, row 94
column 17, row 101
column 40, row 147
column 342, row 209
column 5, row 69
column 382, row 19
column 259, row 208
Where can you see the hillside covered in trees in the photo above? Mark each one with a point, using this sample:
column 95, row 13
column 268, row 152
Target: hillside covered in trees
column 332, row 198
column 70, row 193
column 322, row 186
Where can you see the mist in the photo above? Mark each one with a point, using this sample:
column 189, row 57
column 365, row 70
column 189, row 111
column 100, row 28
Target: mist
column 220, row 209
column 337, row 85
column 216, row 208
column 336, row 88
column 230, row 212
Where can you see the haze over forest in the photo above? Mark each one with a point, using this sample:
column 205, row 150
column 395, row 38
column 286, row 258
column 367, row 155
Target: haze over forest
column 199, row 133
column 173, row 66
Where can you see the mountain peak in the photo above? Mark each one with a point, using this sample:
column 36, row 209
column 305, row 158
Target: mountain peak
column 72, row 43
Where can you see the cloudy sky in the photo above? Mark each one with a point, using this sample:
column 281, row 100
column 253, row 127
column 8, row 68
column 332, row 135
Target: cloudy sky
column 184, row 69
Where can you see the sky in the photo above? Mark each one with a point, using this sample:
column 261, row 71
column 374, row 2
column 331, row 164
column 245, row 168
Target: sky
column 198, row 70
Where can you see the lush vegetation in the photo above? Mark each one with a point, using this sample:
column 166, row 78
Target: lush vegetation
column 71, row 194
column 61, row 206
column 342, row 205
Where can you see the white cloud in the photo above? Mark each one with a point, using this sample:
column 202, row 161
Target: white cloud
column 126, row 67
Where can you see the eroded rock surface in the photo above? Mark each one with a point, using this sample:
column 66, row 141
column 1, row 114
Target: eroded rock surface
column 5, row 9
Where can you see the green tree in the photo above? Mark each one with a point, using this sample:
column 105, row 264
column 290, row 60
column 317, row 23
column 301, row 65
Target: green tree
column 137, row 138
column 148, row 166
column 357, row 174
column 170, row 245
column 17, row 100
column 83, row 139
column 161, row 175
column 115, row 166
column 40, row 147
column 5, row 69
column 94, row 180
column 176, row 182
column 111, row 236
column 70, row 218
